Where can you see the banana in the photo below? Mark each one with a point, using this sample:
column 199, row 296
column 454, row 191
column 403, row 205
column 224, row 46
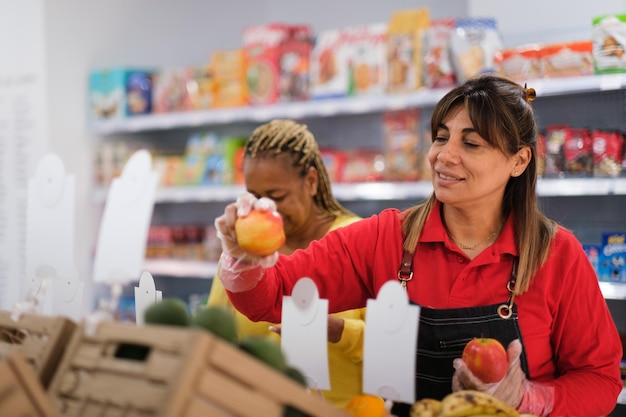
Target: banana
column 426, row 407
column 470, row 403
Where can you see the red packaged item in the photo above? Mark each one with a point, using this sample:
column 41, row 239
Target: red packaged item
column 363, row 165
column 334, row 161
column 567, row 59
column 541, row 154
column 401, row 145
column 578, row 152
column 520, row 63
column 295, row 53
column 607, row 153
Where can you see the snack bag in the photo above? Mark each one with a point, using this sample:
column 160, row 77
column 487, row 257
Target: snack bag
column 568, row 59
column 438, row 71
column 555, row 158
column 609, row 44
column 607, row 153
column 520, row 63
column 578, row 152
column 401, row 145
column 473, row 44
column 405, row 35
column 367, row 65
column 612, row 262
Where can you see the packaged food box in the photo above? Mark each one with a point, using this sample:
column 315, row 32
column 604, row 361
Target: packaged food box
column 277, row 59
column 200, row 86
column 230, row 87
column 405, row 38
column 520, row 63
column 117, row 93
column 609, row 43
column 221, row 162
column 170, row 90
column 166, row 371
column 569, row 59
column 612, row 261
column 349, row 61
column 22, row 392
column 40, row 339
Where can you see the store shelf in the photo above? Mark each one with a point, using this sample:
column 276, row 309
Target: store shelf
column 546, row 187
column 293, row 110
column 181, row 268
column 613, row 290
column 337, row 106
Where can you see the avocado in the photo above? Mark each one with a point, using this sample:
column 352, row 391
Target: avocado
column 169, row 312
column 265, row 350
column 296, row 375
column 218, row 321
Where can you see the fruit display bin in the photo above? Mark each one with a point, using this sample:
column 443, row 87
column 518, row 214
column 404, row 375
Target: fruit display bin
column 41, row 339
column 165, row 371
column 21, row 392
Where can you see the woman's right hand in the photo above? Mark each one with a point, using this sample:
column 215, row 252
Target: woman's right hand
column 225, row 225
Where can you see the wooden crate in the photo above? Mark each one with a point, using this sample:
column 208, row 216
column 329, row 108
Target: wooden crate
column 41, row 339
column 164, row 371
column 21, row 392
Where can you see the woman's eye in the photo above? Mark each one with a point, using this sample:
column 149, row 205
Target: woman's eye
column 471, row 145
column 440, row 138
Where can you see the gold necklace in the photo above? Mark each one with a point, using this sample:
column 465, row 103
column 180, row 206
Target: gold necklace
column 471, row 247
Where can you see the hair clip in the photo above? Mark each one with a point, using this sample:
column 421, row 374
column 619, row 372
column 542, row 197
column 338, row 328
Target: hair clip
column 529, row 94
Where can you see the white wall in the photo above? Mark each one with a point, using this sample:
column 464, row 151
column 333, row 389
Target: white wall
column 544, row 20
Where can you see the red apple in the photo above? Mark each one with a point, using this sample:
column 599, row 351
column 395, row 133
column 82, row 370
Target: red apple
column 486, row 358
column 260, row 233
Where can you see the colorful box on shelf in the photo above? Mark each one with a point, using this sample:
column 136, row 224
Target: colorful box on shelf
column 40, row 339
column 612, row 261
column 22, row 392
column 116, row 93
column 166, row 371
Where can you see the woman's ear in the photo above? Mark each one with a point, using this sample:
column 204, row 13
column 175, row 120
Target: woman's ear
column 311, row 180
column 522, row 159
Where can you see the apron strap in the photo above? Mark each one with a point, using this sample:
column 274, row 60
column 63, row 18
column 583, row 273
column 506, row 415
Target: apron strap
column 405, row 273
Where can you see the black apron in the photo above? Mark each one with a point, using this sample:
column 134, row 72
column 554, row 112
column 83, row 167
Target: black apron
column 443, row 333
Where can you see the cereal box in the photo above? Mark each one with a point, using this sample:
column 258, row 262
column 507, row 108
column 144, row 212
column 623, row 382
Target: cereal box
column 277, row 57
column 117, row 93
column 612, row 262
column 349, row 61
column 170, row 90
column 230, row 88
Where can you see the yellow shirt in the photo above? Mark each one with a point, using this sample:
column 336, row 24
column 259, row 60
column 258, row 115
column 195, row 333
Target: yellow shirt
column 345, row 358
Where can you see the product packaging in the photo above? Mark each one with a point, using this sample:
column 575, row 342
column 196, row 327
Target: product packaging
column 612, row 262
column 609, row 43
column 117, row 93
column 228, row 68
column 438, row 70
column 473, row 45
column 405, row 38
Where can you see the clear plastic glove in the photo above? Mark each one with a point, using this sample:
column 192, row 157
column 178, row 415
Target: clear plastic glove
column 235, row 262
column 514, row 389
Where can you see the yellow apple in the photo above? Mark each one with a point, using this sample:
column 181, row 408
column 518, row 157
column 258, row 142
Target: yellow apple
column 260, row 233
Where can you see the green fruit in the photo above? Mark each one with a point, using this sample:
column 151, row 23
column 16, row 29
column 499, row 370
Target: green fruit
column 296, row 375
column 289, row 411
column 168, row 312
column 265, row 350
column 218, row 321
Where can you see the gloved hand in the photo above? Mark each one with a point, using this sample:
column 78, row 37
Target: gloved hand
column 514, row 389
column 236, row 266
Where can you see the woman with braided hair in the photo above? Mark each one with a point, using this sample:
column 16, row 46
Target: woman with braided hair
column 282, row 162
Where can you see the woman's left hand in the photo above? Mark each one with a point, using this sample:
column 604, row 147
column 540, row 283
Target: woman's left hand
column 514, row 389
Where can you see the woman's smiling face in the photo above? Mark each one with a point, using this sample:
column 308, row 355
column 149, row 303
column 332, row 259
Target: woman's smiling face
column 467, row 170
